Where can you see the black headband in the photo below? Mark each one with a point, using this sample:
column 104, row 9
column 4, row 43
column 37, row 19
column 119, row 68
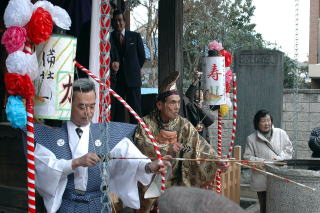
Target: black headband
column 162, row 96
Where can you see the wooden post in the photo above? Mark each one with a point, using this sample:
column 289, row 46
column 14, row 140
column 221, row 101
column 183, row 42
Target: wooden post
column 231, row 179
column 170, row 39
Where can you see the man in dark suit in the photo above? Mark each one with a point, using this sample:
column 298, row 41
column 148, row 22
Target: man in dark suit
column 132, row 56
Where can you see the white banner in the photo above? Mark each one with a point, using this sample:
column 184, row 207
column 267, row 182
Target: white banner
column 215, row 87
column 54, row 85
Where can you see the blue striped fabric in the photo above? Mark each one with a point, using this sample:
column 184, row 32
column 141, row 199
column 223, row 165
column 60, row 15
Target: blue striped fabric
column 90, row 201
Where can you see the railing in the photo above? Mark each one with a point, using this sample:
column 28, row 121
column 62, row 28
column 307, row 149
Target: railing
column 230, row 180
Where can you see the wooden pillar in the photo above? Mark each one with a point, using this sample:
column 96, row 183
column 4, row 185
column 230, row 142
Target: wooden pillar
column 170, row 39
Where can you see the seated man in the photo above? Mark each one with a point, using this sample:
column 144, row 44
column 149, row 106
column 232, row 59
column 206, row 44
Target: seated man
column 177, row 137
column 68, row 166
column 314, row 142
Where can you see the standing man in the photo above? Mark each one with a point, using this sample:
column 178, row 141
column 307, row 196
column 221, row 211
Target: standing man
column 176, row 137
column 132, row 56
column 68, row 164
column 193, row 109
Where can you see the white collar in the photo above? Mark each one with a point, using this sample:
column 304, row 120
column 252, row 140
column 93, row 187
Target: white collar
column 123, row 32
column 73, row 126
column 74, row 138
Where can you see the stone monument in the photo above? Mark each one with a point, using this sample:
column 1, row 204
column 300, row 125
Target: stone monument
column 260, row 86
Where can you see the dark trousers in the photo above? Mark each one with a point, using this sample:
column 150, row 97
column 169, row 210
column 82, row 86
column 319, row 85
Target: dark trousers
column 132, row 95
column 262, row 196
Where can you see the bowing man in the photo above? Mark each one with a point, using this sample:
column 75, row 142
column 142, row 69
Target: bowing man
column 67, row 159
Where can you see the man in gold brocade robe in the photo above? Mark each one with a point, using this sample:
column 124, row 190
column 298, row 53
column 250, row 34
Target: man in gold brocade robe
column 177, row 137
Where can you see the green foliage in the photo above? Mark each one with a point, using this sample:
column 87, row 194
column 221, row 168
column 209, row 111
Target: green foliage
column 295, row 75
column 227, row 21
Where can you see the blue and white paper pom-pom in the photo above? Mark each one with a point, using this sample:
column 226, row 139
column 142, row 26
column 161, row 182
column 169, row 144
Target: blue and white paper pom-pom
column 16, row 112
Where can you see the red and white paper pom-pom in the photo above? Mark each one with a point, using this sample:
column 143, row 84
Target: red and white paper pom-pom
column 214, row 45
column 228, row 57
column 228, row 100
column 40, row 26
column 17, row 13
column 60, row 17
column 19, row 85
column 23, row 64
column 14, row 38
column 228, row 75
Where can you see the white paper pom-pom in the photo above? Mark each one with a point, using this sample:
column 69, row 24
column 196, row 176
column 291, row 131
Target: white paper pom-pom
column 18, row 13
column 22, row 63
column 48, row 6
column 61, row 18
column 228, row 100
column 32, row 67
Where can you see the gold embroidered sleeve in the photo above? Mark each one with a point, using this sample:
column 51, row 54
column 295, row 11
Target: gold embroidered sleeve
column 198, row 173
column 143, row 142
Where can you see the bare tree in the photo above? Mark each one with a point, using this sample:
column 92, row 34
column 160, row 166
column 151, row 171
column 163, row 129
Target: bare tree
column 149, row 31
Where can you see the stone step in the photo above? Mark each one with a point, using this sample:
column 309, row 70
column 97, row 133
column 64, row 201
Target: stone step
column 246, row 192
column 249, row 199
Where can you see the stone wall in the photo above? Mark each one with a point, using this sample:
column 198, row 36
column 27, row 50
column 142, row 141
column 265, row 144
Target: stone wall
column 300, row 114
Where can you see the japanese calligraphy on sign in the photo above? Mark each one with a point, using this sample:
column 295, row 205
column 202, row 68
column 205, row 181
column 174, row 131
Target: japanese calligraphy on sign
column 54, row 85
column 215, row 87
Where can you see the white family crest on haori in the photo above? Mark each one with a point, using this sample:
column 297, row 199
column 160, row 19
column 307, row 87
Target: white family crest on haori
column 60, row 142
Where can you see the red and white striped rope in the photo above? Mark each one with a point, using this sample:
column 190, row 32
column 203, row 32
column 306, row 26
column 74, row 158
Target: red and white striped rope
column 216, row 178
column 219, row 152
column 30, row 148
column 105, row 99
column 27, row 47
column 234, row 121
column 137, row 117
column 30, row 158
